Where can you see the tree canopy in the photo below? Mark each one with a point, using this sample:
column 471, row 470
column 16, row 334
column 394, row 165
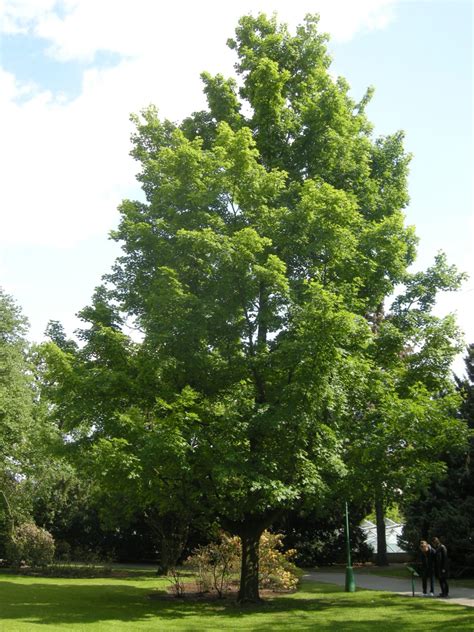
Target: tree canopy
column 271, row 233
column 446, row 507
column 19, row 427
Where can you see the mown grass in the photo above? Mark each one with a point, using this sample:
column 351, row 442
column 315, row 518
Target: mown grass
column 119, row 605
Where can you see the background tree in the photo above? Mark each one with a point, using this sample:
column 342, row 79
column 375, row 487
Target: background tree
column 271, row 233
column 405, row 405
column 109, row 383
column 446, row 507
column 25, row 436
column 317, row 534
column 16, row 411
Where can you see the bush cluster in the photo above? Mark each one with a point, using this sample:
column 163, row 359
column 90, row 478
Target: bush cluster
column 218, row 562
column 215, row 564
column 30, row 545
column 277, row 570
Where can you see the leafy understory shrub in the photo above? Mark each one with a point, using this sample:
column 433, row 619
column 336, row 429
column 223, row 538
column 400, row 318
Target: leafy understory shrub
column 215, row 564
column 30, row 544
column 76, row 571
column 91, row 557
column 75, row 563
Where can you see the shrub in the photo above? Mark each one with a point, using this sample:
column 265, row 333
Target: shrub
column 86, row 555
column 277, row 571
column 30, row 544
column 76, row 571
column 176, row 580
column 215, row 563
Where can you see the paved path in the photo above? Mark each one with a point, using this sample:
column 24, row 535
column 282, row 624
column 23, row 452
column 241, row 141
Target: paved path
column 462, row 596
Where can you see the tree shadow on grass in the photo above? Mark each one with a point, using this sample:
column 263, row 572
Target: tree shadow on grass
column 317, row 606
column 373, row 610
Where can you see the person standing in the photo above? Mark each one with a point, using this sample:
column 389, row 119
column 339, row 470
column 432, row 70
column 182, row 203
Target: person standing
column 428, row 560
column 441, row 566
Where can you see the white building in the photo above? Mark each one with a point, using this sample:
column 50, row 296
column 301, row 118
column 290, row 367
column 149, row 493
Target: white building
column 392, row 531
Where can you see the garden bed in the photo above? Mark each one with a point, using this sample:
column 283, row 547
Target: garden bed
column 193, row 592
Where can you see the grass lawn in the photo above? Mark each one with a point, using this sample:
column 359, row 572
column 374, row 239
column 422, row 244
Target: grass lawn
column 121, row 605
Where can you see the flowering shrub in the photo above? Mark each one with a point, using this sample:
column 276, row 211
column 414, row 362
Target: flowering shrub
column 30, row 544
column 215, row 564
column 277, row 571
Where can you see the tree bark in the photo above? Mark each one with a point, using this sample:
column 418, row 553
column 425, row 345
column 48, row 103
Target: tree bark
column 248, row 590
column 249, row 529
column 382, row 559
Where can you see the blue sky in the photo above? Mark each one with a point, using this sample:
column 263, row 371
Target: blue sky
column 71, row 72
column 421, row 67
column 28, row 59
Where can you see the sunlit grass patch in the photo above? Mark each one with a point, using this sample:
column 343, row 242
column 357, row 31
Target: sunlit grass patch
column 119, row 605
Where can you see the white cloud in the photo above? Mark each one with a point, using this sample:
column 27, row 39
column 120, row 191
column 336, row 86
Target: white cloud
column 77, row 29
column 16, row 16
column 65, row 164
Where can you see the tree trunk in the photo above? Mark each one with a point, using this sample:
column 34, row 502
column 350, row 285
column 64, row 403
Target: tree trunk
column 249, row 529
column 248, row 590
column 171, row 531
column 8, row 511
column 381, row 539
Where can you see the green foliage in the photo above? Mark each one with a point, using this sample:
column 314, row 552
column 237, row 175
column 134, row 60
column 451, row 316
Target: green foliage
column 22, row 432
column 30, row 544
column 398, row 439
column 446, row 507
column 255, row 272
column 393, row 512
column 16, row 392
column 317, row 534
column 403, row 402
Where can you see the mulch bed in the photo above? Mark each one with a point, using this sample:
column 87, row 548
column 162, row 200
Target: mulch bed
column 192, row 592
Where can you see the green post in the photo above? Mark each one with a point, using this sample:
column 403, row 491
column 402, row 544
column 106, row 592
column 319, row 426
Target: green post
column 350, row 581
column 413, row 575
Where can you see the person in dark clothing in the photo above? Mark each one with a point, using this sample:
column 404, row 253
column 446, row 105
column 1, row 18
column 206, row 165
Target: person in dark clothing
column 428, row 561
column 442, row 566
